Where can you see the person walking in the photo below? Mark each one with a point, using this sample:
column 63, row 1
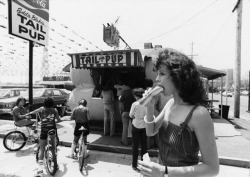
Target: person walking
column 109, row 109
column 137, row 113
column 185, row 127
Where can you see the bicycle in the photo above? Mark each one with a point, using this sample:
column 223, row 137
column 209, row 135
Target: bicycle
column 16, row 139
column 81, row 149
column 50, row 153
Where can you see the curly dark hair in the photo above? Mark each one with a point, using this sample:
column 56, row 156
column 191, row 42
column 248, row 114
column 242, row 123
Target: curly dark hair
column 48, row 102
column 184, row 73
column 19, row 99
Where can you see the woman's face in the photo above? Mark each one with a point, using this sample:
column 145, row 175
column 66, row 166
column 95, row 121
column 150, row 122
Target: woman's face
column 164, row 79
column 21, row 103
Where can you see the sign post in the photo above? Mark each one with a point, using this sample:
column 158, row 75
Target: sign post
column 29, row 19
column 30, row 75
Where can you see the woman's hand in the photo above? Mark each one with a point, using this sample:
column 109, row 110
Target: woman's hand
column 152, row 102
column 151, row 169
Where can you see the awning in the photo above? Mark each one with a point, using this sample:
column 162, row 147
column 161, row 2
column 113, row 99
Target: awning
column 210, row 73
column 107, row 59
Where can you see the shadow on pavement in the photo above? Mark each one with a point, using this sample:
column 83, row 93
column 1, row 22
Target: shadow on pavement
column 26, row 152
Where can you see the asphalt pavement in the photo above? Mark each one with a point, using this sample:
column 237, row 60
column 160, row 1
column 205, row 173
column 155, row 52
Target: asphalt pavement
column 22, row 164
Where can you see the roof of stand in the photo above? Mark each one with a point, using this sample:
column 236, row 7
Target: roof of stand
column 206, row 72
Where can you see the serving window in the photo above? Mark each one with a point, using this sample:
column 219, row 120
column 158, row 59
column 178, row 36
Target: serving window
column 131, row 76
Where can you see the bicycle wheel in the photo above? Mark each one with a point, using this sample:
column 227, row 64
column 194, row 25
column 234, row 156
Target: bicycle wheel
column 81, row 156
column 57, row 140
column 37, row 154
column 76, row 151
column 14, row 140
column 51, row 161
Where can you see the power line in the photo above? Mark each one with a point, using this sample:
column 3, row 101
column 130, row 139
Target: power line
column 168, row 22
column 207, row 17
column 203, row 10
column 219, row 32
column 76, row 34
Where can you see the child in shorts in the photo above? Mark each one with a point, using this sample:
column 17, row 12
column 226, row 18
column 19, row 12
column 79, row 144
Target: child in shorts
column 48, row 116
column 81, row 116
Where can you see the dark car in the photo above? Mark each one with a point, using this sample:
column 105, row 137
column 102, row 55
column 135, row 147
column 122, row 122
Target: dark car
column 60, row 97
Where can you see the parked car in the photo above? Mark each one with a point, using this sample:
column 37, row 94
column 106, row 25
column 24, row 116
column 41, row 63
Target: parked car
column 60, row 97
column 244, row 92
column 227, row 94
column 67, row 91
column 11, row 92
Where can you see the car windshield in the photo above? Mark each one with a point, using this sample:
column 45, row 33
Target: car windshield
column 3, row 93
column 36, row 93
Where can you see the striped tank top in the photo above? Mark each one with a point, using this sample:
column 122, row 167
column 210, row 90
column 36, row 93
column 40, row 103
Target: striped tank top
column 178, row 145
column 48, row 116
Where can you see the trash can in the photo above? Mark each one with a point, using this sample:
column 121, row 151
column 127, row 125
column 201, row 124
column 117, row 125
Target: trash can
column 225, row 110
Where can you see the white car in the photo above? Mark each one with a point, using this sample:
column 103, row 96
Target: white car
column 227, row 94
column 244, row 92
column 11, row 92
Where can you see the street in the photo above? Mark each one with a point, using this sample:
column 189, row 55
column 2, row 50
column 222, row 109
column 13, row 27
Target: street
column 22, row 164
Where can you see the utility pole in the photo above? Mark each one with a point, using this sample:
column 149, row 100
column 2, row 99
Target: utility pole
column 192, row 51
column 237, row 74
column 249, row 93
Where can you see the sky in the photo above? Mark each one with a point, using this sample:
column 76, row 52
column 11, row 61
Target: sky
column 205, row 29
column 207, row 26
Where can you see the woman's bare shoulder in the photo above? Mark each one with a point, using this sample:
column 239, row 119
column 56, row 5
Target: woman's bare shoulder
column 200, row 117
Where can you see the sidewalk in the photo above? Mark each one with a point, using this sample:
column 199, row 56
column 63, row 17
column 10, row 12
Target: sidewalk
column 233, row 148
column 97, row 164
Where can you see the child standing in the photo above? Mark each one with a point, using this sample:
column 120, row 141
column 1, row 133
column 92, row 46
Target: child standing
column 81, row 116
column 137, row 113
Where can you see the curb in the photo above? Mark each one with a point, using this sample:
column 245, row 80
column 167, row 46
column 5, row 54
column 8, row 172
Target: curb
column 244, row 163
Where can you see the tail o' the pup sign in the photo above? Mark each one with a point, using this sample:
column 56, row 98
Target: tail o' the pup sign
column 29, row 19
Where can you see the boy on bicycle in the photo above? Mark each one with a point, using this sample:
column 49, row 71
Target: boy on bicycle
column 81, row 116
column 48, row 116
